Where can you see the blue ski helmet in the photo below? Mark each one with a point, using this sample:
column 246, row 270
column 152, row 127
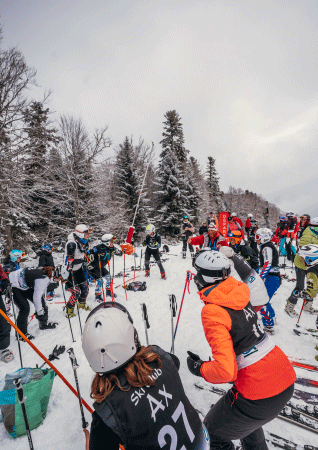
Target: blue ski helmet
column 15, row 254
column 282, row 218
column 186, row 217
column 47, row 247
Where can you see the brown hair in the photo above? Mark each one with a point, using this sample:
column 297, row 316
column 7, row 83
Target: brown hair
column 137, row 373
column 48, row 271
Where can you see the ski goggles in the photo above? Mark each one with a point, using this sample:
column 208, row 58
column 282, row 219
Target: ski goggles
column 311, row 260
column 110, row 305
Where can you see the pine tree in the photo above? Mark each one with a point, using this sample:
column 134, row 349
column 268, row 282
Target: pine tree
column 128, row 184
column 173, row 139
column 213, row 186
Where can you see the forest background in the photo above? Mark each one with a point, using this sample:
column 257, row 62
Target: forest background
column 54, row 175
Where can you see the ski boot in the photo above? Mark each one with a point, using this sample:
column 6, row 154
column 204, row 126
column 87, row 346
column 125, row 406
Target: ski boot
column 184, row 255
column 99, row 298
column 147, row 274
column 47, row 325
column 290, row 309
column 50, row 296
column 69, row 311
column 163, row 276
column 308, row 307
column 82, row 305
column 109, row 293
column 269, row 329
column 28, row 335
column 192, row 255
column 6, row 355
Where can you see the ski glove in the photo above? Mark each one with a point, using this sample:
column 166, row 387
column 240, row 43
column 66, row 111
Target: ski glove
column 194, row 364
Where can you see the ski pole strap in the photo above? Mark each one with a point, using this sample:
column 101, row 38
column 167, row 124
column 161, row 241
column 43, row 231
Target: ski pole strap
column 18, row 385
column 145, row 315
column 70, row 351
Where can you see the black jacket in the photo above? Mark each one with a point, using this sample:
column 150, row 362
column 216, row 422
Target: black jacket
column 246, row 251
column 203, row 229
column 46, row 259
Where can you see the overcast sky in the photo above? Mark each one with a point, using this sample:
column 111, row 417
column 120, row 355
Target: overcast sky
column 242, row 74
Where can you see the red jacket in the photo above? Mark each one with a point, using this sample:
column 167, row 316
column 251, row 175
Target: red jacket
column 269, row 376
column 3, row 275
column 205, row 240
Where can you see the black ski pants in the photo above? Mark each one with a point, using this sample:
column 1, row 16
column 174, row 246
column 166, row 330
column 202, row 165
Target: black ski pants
column 21, row 299
column 184, row 247
column 235, row 417
column 156, row 255
column 5, row 327
column 300, row 284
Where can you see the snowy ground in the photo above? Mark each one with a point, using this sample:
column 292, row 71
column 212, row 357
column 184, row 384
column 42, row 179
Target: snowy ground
column 62, row 427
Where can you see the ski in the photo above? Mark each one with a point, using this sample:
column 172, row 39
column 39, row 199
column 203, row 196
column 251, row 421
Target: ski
column 307, row 397
column 289, row 413
column 307, row 382
column 299, row 333
column 310, row 411
column 303, row 365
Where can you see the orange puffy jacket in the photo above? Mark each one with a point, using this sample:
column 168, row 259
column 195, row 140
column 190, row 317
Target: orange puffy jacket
column 265, row 378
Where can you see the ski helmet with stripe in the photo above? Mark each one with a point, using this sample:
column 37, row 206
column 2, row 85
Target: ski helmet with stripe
column 264, row 235
column 309, row 254
column 150, row 228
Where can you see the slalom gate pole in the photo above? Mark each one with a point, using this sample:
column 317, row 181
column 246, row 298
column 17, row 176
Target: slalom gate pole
column 75, row 366
column 124, row 274
column 140, row 260
column 79, row 317
column 187, row 283
column 22, row 399
column 101, row 277
column 44, row 359
column 297, row 324
column 145, row 319
column 68, row 316
column 112, row 284
column 173, row 308
column 135, row 262
column 15, row 320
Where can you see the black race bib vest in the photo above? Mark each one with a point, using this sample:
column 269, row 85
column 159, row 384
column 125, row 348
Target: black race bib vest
column 275, row 262
column 152, row 417
column 30, row 275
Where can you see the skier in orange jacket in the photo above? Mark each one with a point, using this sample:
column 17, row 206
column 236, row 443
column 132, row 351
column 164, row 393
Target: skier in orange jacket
column 242, row 353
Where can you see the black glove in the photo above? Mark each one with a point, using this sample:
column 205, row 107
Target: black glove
column 194, row 364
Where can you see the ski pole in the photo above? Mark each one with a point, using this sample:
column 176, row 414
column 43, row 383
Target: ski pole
column 101, row 277
column 75, row 366
column 79, row 317
column 68, row 316
column 145, row 319
column 173, row 308
column 297, row 324
column 15, row 320
column 22, row 399
column 188, row 278
column 44, row 359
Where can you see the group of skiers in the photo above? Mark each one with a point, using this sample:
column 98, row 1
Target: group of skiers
column 139, row 397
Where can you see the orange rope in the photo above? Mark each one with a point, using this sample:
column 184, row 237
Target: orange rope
column 45, row 359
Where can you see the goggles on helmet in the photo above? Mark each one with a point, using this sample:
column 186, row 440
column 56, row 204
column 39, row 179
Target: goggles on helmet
column 310, row 260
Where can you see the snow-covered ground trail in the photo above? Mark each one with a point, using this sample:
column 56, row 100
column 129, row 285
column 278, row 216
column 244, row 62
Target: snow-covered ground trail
column 62, row 427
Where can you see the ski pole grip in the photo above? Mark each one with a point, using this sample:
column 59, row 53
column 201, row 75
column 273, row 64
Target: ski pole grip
column 18, row 385
column 144, row 309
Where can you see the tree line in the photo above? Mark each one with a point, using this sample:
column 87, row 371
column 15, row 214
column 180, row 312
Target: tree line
column 55, row 175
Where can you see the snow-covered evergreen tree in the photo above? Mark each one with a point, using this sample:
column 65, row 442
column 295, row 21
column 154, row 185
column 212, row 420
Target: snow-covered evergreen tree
column 212, row 181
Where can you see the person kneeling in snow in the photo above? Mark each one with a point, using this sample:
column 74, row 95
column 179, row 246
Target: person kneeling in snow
column 262, row 374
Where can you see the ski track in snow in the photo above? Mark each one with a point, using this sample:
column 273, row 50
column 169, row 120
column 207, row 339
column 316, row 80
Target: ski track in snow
column 62, row 428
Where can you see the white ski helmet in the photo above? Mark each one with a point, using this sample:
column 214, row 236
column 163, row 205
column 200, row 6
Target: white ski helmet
column 110, row 340
column 250, row 215
column 314, row 222
column 150, row 228
column 211, row 266
column 290, row 214
column 264, row 235
column 309, row 253
column 233, row 214
column 81, row 230
column 106, row 238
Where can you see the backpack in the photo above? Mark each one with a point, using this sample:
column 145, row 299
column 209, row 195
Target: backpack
column 136, row 286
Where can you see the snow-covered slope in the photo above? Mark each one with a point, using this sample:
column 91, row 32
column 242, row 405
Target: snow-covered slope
column 62, row 427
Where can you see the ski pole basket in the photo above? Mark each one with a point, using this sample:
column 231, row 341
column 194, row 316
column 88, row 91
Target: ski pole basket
column 37, row 386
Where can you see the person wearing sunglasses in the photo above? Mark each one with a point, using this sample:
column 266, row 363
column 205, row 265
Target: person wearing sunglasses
column 139, row 399
column 309, row 236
